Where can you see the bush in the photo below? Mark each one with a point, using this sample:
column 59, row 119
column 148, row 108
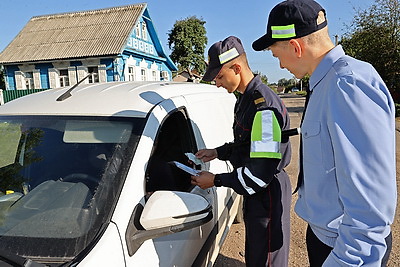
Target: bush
column 397, row 108
column 301, row 93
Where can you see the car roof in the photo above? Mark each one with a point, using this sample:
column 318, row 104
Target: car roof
column 124, row 99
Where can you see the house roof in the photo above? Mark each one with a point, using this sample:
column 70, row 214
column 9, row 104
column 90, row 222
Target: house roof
column 101, row 32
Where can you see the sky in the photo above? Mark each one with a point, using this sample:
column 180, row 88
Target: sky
column 244, row 19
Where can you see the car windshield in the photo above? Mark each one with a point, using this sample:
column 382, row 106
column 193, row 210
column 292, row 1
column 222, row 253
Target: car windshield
column 59, row 179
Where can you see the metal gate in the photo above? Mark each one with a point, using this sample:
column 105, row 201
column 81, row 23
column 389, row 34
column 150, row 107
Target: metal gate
column 8, row 95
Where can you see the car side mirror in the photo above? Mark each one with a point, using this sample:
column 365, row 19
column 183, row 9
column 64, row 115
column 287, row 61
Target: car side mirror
column 164, row 213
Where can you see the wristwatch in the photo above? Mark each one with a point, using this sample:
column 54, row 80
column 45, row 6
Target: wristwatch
column 217, row 180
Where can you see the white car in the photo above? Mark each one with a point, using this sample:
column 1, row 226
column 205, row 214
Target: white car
column 86, row 176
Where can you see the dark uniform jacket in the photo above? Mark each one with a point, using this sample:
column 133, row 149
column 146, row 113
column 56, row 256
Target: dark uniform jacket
column 252, row 175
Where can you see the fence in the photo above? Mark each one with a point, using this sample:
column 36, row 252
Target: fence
column 8, row 95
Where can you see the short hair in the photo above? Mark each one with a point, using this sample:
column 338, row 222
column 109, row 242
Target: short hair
column 242, row 59
column 317, row 37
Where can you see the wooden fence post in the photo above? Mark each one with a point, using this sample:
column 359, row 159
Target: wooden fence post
column 1, row 97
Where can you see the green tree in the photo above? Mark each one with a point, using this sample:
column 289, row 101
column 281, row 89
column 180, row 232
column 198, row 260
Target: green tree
column 187, row 40
column 305, row 82
column 374, row 36
column 263, row 77
column 289, row 84
column 282, row 82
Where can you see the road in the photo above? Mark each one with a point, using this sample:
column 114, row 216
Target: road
column 232, row 252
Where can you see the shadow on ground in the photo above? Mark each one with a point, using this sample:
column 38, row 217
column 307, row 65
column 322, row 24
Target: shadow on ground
column 224, row 261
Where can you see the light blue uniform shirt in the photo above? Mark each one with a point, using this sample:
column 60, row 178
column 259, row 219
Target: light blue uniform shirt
column 348, row 133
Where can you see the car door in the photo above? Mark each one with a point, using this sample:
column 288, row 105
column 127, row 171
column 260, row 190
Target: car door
column 169, row 128
column 211, row 116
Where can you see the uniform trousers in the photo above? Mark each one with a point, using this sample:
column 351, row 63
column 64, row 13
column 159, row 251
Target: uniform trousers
column 267, row 224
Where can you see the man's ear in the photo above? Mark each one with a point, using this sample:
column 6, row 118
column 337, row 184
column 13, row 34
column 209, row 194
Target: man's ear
column 237, row 68
column 296, row 47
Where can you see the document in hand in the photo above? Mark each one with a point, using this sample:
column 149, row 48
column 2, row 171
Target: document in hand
column 193, row 158
column 187, row 169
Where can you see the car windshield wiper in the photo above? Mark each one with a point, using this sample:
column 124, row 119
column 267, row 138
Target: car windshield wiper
column 18, row 261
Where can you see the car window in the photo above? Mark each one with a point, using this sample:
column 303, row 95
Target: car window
column 59, row 179
column 173, row 140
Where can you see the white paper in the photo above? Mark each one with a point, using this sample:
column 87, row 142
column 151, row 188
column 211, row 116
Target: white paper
column 193, row 158
column 187, row 169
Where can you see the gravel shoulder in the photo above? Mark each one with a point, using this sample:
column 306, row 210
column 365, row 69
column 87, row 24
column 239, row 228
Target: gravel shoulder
column 232, row 252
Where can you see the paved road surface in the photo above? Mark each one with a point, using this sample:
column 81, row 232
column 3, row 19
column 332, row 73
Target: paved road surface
column 232, row 252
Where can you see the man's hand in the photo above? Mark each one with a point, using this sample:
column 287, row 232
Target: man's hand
column 204, row 180
column 206, row 155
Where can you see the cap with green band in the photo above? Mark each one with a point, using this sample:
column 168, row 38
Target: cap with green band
column 291, row 19
column 221, row 53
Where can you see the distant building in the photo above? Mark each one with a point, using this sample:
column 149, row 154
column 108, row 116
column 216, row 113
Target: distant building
column 112, row 44
column 185, row 76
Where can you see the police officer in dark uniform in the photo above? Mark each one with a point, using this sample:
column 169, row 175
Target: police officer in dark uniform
column 258, row 153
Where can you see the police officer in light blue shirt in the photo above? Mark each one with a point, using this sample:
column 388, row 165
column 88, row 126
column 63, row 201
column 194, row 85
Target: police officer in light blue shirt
column 347, row 193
